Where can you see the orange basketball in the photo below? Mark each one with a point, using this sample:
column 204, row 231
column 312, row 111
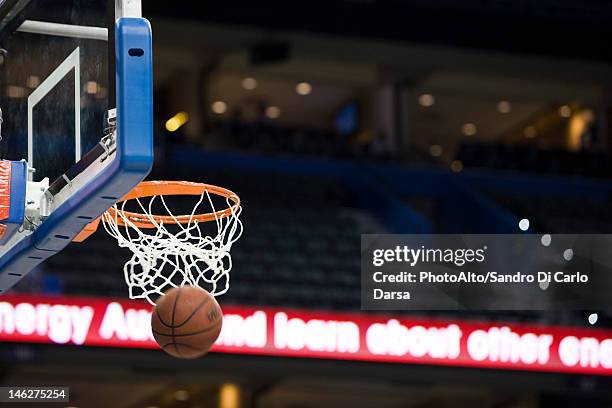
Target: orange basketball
column 186, row 321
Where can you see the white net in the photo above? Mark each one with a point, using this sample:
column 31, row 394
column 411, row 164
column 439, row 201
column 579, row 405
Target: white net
column 176, row 253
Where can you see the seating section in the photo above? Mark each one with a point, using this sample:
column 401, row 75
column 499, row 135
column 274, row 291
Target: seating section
column 560, row 215
column 266, row 137
column 269, row 138
column 285, row 262
column 532, row 159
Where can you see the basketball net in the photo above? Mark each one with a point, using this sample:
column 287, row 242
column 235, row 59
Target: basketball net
column 163, row 258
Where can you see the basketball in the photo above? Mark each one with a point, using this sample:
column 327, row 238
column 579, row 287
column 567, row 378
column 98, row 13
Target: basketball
column 186, row 321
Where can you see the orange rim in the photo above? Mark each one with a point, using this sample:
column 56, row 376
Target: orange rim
column 167, row 188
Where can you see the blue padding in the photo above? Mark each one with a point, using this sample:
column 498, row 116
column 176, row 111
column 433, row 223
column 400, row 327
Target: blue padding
column 19, row 173
column 132, row 164
column 19, row 177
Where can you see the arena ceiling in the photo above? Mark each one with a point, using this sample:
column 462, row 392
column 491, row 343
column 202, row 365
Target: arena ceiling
column 569, row 28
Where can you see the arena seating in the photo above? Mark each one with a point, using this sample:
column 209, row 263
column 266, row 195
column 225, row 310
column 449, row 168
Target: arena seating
column 560, row 215
column 524, row 158
column 266, row 137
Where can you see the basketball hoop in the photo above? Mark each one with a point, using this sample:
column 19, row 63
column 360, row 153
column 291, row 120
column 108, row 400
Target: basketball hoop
column 171, row 250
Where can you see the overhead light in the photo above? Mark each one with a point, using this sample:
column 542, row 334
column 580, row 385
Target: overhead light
column 303, row 88
column 426, row 100
column 273, row 112
column 504, row 107
column 91, row 87
column 229, row 396
column 456, row 166
column 33, row 81
column 565, row 111
column 530, row 132
column 435, row 150
column 181, row 395
column 174, row 123
column 219, row 107
column 577, row 127
column 468, row 129
column 249, row 83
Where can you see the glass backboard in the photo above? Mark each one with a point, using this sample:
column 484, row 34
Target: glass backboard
column 57, row 77
column 76, row 101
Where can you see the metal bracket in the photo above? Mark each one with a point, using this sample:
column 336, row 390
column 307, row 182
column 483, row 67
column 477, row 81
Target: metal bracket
column 37, row 201
column 128, row 8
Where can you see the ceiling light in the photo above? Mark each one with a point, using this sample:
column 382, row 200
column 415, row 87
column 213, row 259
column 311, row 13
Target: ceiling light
column 249, row 83
column 174, row 123
column 504, row 107
column 303, row 88
column 91, row 87
column 530, row 132
column 565, row 111
column 181, row 395
column 426, row 100
column 273, row 112
column 33, row 81
column 468, row 129
column 229, row 396
column 435, row 150
column 219, row 107
column 456, row 166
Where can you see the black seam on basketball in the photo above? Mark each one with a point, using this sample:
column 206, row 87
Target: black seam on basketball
column 184, row 334
column 174, row 343
column 159, row 316
column 160, row 319
column 202, row 304
column 198, row 307
column 178, row 294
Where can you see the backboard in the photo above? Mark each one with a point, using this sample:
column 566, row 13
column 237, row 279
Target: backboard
column 56, row 86
column 76, row 100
